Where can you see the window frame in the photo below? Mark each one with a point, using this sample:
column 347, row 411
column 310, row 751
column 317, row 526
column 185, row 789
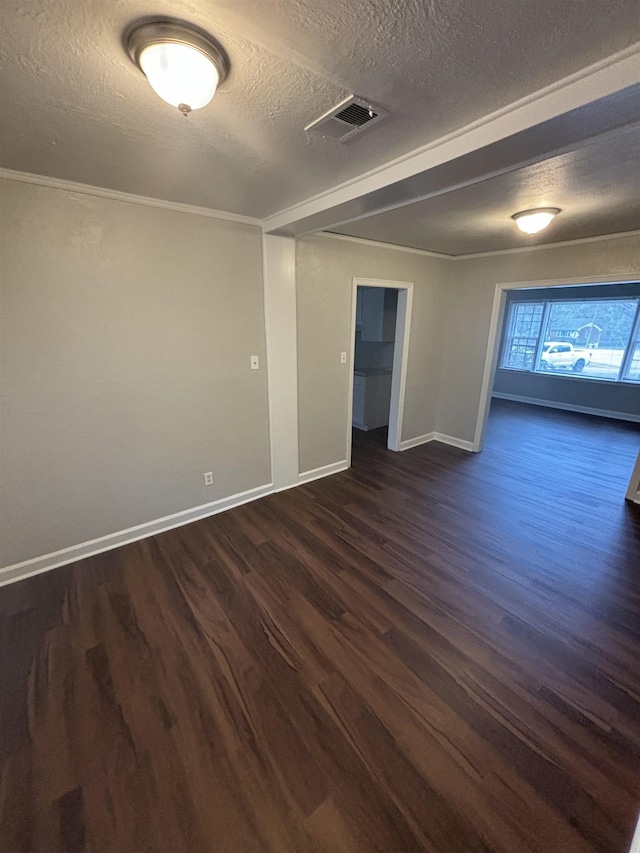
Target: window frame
column 633, row 340
column 507, row 337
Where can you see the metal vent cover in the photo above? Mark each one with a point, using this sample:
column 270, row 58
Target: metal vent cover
column 346, row 119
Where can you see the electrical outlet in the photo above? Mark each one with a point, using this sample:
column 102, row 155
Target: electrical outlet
column 255, row 362
column 208, row 478
column 343, row 358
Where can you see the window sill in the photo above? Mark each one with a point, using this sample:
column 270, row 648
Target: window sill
column 550, row 374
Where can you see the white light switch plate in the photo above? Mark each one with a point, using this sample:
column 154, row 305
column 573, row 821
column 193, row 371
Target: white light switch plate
column 343, row 358
column 255, row 362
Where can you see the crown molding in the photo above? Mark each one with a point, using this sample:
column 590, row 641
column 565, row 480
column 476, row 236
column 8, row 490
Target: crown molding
column 129, row 198
column 444, row 257
column 519, row 249
column 378, row 244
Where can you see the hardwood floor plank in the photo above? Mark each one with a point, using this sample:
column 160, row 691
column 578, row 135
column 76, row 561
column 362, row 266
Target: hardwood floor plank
column 430, row 651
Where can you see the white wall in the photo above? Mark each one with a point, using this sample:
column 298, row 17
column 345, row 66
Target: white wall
column 126, row 333
column 325, row 268
column 125, row 343
column 469, row 304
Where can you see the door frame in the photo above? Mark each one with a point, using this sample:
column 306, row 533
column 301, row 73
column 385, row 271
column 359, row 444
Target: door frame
column 400, row 356
column 495, row 335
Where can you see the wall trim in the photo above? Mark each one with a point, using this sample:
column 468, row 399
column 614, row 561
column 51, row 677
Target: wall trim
column 635, row 843
column 194, row 210
column 323, row 471
column 281, row 336
column 130, row 198
column 378, row 244
column 559, row 245
column 633, row 494
column 444, row 257
column 569, row 407
column 437, row 436
column 418, row 440
column 37, row 565
column 455, row 442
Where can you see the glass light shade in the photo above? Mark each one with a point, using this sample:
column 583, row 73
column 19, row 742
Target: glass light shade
column 532, row 221
column 180, row 74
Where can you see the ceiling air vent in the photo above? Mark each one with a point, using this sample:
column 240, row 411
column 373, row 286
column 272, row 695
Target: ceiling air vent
column 345, row 120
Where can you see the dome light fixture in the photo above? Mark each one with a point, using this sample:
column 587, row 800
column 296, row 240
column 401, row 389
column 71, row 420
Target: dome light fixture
column 533, row 221
column 183, row 64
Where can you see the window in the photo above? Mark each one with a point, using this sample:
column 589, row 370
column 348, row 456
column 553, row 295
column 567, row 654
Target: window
column 595, row 338
column 632, row 373
column 524, row 330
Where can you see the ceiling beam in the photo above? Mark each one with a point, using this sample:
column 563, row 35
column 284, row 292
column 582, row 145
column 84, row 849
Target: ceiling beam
column 595, row 100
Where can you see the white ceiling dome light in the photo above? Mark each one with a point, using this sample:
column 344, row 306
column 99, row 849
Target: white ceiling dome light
column 182, row 64
column 533, row 221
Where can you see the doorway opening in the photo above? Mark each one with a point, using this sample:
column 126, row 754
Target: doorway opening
column 381, row 318
column 595, row 355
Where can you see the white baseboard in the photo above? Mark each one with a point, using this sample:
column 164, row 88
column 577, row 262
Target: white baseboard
column 454, row 442
column 436, row 436
column 635, row 843
column 324, row 471
column 419, row 439
column 37, row 565
column 633, row 492
column 568, row 407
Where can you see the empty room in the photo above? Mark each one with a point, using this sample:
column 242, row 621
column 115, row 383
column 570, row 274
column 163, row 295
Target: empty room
column 319, row 426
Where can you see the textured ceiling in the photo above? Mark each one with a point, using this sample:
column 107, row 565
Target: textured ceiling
column 73, row 106
column 596, row 186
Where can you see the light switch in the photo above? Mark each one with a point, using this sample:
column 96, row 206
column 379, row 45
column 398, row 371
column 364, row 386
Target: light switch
column 343, row 358
column 255, row 362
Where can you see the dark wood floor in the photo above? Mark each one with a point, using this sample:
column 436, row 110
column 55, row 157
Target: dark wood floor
column 431, row 651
